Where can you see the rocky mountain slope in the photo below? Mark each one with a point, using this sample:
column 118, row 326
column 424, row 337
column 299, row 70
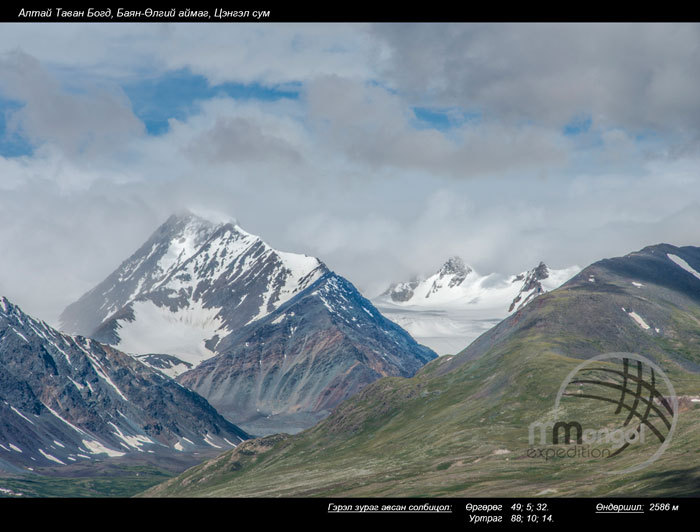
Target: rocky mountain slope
column 288, row 370
column 68, row 399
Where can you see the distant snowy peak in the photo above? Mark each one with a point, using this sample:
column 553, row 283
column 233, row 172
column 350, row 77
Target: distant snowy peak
column 401, row 292
column 537, row 281
column 451, row 308
column 190, row 284
column 450, row 275
column 457, row 285
column 454, row 267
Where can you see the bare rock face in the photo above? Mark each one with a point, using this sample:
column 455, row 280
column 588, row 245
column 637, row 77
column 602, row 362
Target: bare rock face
column 531, row 287
column 455, row 270
column 290, row 369
column 66, row 399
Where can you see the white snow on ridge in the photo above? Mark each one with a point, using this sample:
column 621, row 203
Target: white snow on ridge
column 50, row 457
column 299, row 267
column 173, row 370
column 683, row 264
column 79, row 431
column 77, row 384
column 209, row 440
column 20, row 414
column 296, row 268
column 279, row 319
column 19, row 334
column 97, row 366
column 183, row 247
column 557, row 278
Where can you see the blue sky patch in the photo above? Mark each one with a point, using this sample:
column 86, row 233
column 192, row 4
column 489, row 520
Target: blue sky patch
column 578, row 126
column 175, row 95
column 12, row 144
column 442, row 119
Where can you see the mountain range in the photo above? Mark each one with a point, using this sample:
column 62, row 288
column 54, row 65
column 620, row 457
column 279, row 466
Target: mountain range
column 274, row 340
column 208, row 339
column 460, row 426
column 449, row 309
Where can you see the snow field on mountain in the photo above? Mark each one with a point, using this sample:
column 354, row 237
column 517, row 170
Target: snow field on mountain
column 182, row 333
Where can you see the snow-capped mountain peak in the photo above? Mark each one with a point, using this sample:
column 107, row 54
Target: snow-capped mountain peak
column 454, row 266
column 190, row 284
column 451, row 274
column 436, row 287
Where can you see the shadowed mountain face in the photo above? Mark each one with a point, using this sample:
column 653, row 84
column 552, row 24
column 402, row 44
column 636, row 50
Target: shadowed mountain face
column 286, row 371
column 190, row 284
column 66, row 399
column 459, row 427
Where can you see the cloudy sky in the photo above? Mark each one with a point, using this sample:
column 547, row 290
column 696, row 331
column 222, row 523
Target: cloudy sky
column 381, row 149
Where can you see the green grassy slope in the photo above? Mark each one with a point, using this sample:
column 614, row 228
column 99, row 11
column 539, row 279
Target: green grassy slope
column 120, row 482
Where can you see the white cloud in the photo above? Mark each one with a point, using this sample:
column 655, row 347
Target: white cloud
column 344, row 173
column 270, row 54
column 624, row 75
column 370, row 125
column 96, row 120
